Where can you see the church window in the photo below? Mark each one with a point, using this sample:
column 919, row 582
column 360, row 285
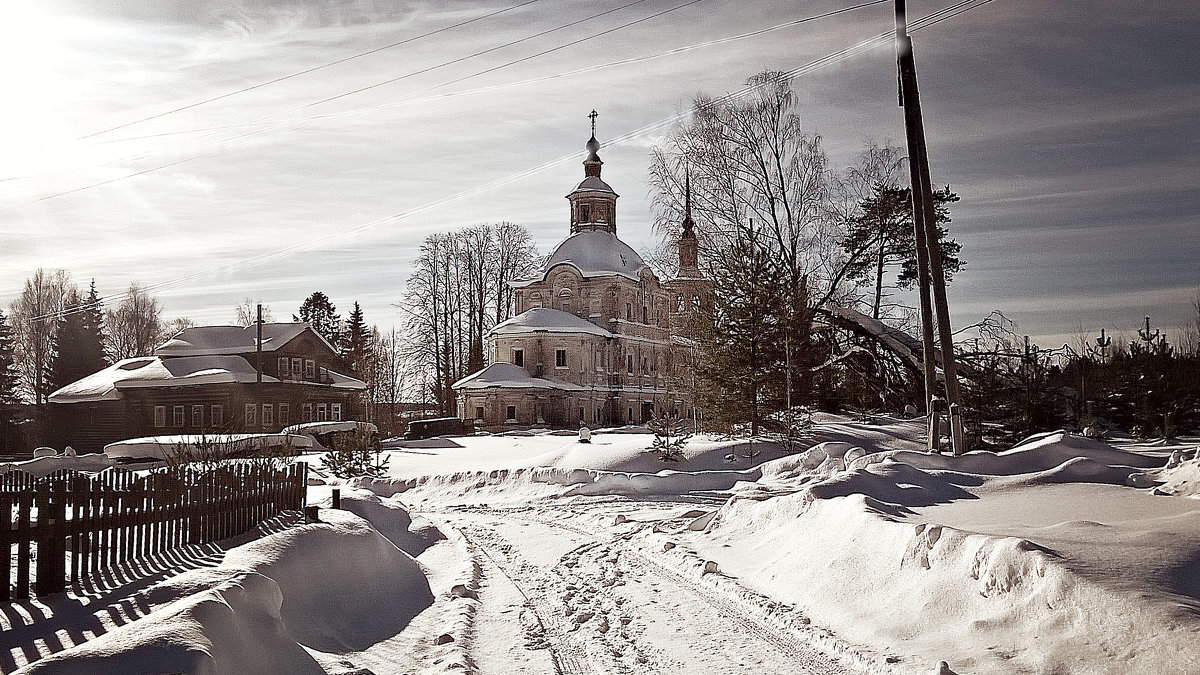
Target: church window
column 645, row 310
column 629, row 364
column 629, row 311
column 518, row 357
column 596, row 358
column 580, row 413
column 599, row 414
column 566, row 306
column 560, row 358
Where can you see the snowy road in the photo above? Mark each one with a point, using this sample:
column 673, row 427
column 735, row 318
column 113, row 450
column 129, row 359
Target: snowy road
column 558, row 598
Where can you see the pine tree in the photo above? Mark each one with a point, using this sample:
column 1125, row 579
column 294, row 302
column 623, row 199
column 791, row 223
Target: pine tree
column 10, row 379
column 882, row 236
column 319, row 312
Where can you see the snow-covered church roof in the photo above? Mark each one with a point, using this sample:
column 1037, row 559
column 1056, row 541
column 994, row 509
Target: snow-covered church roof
column 205, row 340
column 545, row 319
column 509, row 376
column 154, row 371
column 595, row 253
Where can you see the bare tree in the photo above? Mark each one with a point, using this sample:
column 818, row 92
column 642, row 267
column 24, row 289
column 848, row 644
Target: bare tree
column 35, row 315
column 135, row 327
column 247, row 312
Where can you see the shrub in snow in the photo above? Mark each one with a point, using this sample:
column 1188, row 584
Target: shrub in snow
column 670, row 435
column 355, row 454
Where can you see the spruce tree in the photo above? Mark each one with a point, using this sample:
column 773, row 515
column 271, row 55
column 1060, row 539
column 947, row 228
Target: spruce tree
column 741, row 360
column 10, row 378
column 357, row 342
column 78, row 340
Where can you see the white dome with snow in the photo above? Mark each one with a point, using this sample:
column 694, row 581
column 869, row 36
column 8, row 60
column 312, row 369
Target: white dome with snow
column 596, row 253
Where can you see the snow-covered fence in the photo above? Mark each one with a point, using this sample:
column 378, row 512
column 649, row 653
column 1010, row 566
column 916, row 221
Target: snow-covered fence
column 73, row 526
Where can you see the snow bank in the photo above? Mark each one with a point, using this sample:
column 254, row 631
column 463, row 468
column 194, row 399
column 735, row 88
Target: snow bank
column 857, row 552
column 44, row 466
column 390, row 518
column 338, row 585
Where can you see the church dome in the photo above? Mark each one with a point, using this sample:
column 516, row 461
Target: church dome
column 597, row 253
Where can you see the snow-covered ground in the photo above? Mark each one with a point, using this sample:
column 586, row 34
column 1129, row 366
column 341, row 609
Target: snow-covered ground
column 536, row 553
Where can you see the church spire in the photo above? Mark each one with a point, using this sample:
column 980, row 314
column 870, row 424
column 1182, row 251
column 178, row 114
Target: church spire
column 689, row 267
column 591, row 165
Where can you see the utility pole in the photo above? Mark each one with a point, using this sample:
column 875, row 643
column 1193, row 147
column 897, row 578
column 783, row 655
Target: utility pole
column 258, row 358
column 925, row 231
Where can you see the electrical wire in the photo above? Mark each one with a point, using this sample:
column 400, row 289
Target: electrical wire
column 306, row 71
column 835, row 57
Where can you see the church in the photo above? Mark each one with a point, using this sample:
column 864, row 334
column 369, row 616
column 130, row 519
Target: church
column 596, row 338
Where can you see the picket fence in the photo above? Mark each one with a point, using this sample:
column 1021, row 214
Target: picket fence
column 70, row 527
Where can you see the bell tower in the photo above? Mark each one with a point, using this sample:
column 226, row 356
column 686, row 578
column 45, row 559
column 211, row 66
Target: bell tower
column 593, row 202
column 689, row 264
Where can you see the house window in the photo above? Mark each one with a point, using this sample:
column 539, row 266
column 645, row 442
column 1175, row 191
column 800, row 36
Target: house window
column 268, row 414
column 679, row 302
column 310, row 368
column 177, row 414
column 518, row 357
column 696, row 301
column 335, row 412
column 216, row 415
column 307, row 411
column 478, row 412
column 197, row 416
column 560, row 358
column 251, row 415
column 629, row 363
column 283, row 414
column 297, row 365
column 283, row 367
column 322, row 412
column 510, row 413
column 160, row 415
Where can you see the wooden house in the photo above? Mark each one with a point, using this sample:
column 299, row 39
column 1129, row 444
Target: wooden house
column 211, row 379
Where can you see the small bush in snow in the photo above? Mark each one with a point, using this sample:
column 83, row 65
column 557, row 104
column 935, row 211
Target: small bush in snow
column 670, row 435
column 355, row 454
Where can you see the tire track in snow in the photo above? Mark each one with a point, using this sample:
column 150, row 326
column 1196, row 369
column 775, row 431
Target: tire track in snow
column 806, row 656
column 563, row 654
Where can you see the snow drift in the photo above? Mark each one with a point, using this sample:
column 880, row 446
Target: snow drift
column 338, row 585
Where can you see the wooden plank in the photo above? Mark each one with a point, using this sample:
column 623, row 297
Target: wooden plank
column 23, row 534
column 6, row 544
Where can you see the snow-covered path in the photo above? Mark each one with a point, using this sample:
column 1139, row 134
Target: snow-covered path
column 594, row 604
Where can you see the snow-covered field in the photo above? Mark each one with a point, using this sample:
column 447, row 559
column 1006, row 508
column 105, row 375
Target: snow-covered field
column 538, row 554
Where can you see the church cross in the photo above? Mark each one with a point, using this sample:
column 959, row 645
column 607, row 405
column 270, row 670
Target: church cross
column 594, row 115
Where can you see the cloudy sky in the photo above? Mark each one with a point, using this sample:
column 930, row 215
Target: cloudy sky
column 1068, row 128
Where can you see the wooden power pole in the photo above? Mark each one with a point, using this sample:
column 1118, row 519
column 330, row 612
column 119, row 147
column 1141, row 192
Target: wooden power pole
column 930, row 273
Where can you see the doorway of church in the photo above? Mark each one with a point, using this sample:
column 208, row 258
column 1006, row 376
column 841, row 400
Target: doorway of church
column 647, row 410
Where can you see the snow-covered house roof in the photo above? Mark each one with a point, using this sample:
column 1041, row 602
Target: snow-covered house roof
column 204, row 340
column 509, row 376
column 155, row 371
column 547, row 320
column 595, row 253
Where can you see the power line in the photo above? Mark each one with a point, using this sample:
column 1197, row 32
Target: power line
column 306, row 71
column 281, row 128
column 408, row 100
column 829, row 59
